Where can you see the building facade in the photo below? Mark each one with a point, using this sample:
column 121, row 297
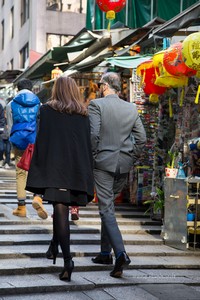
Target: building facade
column 29, row 28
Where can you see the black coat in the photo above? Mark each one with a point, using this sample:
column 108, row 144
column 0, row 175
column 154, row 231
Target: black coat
column 62, row 156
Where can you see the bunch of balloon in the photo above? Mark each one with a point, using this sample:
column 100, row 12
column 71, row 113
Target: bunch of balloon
column 191, row 55
column 174, row 64
column 111, row 7
column 147, row 72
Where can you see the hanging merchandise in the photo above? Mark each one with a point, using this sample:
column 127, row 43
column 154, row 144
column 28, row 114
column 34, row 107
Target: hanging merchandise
column 140, row 176
column 111, row 7
column 191, row 51
column 165, row 79
column 173, row 61
column 181, row 173
column 147, row 73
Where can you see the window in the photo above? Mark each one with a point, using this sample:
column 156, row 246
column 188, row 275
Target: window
column 12, row 22
column 24, row 55
column 54, row 5
column 57, row 40
column 24, row 11
column 66, row 5
column 2, row 34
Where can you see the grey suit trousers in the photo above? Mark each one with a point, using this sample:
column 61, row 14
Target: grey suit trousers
column 108, row 185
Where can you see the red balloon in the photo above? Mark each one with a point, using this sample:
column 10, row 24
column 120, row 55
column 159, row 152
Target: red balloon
column 173, row 61
column 106, row 5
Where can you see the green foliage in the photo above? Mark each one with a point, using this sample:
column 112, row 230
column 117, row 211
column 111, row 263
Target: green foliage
column 171, row 156
column 157, row 203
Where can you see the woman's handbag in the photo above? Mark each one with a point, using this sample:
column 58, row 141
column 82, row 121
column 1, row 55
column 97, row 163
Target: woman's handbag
column 25, row 160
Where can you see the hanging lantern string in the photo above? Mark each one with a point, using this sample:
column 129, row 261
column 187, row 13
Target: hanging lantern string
column 170, row 108
column 197, row 96
column 182, row 97
column 110, row 15
column 142, row 79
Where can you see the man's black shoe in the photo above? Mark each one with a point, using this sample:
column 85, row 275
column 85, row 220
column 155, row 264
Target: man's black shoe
column 122, row 261
column 103, row 259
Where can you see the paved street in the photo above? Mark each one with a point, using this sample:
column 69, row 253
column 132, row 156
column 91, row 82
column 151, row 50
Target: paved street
column 156, row 271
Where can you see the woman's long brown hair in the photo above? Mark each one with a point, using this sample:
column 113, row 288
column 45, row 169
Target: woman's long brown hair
column 66, row 97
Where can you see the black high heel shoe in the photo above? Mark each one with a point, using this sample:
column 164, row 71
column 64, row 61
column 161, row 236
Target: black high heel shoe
column 52, row 252
column 67, row 270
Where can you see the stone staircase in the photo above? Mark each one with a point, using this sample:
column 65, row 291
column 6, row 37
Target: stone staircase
column 24, row 268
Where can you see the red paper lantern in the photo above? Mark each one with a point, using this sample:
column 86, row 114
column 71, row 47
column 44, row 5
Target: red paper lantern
column 111, row 7
column 55, row 73
column 173, row 61
column 148, row 72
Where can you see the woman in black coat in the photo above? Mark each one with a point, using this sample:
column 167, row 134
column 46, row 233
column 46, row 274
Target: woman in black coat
column 61, row 168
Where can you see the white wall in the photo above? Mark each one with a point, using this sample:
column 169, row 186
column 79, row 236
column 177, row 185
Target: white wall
column 41, row 21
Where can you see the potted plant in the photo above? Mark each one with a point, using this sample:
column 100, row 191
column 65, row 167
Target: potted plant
column 156, row 205
column 170, row 170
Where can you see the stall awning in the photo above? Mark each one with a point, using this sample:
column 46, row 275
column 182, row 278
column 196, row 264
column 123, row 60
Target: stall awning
column 45, row 64
column 130, row 62
column 9, row 75
column 57, row 55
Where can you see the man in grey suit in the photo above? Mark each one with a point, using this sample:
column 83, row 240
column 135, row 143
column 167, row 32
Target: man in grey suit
column 118, row 137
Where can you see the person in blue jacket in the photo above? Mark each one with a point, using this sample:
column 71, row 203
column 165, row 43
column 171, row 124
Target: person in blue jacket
column 2, row 124
column 22, row 114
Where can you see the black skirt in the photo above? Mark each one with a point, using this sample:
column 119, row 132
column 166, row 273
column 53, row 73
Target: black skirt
column 67, row 197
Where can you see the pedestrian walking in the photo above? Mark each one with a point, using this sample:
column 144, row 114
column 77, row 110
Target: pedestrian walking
column 118, row 137
column 5, row 146
column 22, row 114
column 61, row 166
column 2, row 124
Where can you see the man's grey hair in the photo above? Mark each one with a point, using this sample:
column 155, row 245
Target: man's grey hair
column 113, row 80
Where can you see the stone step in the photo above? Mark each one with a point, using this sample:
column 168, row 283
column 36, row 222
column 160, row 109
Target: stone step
column 127, row 207
column 10, row 198
column 77, row 238
column 92, row 281
column 24, row 268
column 30, row 266
column 139, row 221
column 81, row 237
column 36, row 229
column 39, row 250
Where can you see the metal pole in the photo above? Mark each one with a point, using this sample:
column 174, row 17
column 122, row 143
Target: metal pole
column 94, row 16
column 151, row 9
column 181, row 5
column 81, row 6
column 126, row 22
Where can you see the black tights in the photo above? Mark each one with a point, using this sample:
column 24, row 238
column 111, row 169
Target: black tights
column 61, row 229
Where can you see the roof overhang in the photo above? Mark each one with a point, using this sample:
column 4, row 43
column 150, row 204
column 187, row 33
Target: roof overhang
column 59, row 55
column 93, row 60
column 129, row 62
column 156, row 31
column 45, row 64
column 185, row 19
column 9, row 75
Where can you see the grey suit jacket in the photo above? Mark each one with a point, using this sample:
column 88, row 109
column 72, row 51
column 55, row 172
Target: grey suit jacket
column 117, row 133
